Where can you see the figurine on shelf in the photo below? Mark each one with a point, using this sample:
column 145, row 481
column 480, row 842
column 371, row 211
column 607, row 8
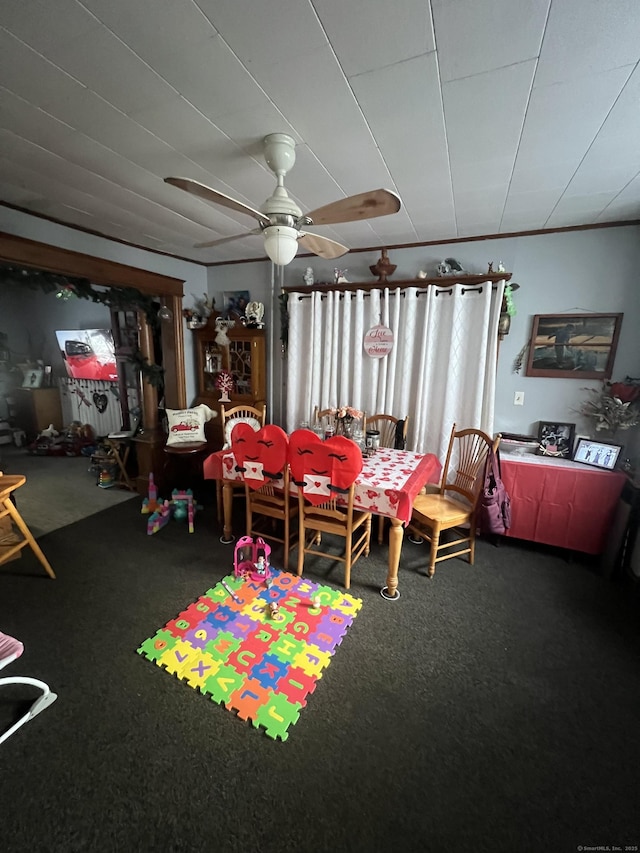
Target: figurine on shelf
column 340, row 276
column 197, row 316
column 254, row 313
column 222, row 339
column 308, row 277
column 450, row 267
column 225, row 384
column 383, row 267
column 501, row 267
column 490, row 269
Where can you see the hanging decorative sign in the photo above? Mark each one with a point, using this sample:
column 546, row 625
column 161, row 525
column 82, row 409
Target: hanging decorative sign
column 378, row 341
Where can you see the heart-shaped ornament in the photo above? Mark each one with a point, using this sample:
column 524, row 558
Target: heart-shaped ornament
column 323, row 469
column 261, row 454
column 100, row 401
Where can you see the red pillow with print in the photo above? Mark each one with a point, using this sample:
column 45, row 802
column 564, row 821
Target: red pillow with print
column 323, row 469
column 261, row 455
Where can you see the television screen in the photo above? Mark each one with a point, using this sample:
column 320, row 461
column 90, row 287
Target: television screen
column 89, row 354
column 600, row 454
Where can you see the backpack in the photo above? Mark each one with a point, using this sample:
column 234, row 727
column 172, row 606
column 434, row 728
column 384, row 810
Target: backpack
column 495, row 503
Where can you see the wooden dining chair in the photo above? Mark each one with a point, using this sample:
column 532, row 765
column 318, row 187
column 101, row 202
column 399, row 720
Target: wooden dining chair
column 454, row 506
column 262, row 459
column 320, row 414
column 325, row 473
column 393, row 433
column 8, row 484
column 271, row 509
column 256, row 417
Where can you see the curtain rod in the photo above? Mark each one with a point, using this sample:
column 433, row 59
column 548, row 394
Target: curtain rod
column 400, row 284
column 440, row 292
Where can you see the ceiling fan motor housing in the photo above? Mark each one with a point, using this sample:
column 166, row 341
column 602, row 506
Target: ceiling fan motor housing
column 279, row 152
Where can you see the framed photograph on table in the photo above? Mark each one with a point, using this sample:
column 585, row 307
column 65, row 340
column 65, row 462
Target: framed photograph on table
column 600, row 454
column 556, row 439
column 573, row 346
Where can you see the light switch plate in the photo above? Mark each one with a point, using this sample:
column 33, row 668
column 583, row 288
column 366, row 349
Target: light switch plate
column 518, row 398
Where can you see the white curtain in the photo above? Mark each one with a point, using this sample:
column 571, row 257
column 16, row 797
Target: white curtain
column 441, row 369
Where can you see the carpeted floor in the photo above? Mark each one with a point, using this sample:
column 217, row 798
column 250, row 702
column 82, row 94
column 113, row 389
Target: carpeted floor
column 59, row 489
column 494, row 708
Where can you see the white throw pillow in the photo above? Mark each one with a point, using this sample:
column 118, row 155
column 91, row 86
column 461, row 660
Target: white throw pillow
column 254, row 423
column 187, row 425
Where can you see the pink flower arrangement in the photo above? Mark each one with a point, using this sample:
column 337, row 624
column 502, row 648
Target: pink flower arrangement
column 347, row 413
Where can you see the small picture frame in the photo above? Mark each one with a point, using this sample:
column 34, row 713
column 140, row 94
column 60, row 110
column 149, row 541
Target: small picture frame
column 599, row 454
column 235, row 304
column 32, row 377
column 556, row 439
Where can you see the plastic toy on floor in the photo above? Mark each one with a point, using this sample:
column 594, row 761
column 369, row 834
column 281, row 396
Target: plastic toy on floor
column 251, row 559
column 181, row 507
column 151, row 503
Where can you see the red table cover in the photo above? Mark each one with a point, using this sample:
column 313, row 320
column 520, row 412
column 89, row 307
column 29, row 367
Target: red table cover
column 562, row 503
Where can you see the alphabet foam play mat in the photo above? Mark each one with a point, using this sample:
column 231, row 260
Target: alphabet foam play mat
column 256, row 647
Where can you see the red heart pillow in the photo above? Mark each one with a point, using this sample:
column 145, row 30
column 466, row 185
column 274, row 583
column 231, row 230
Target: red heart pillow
column 323, row 469
column 260, row 455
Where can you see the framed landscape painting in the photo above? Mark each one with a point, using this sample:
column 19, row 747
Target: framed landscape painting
column 235, row 303
column 573, row 346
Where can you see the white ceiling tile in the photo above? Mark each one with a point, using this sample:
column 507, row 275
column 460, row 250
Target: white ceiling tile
column 423, row 151
column 587, row 36
column 257, row 32
column 476, row 37
column 583, row 105
column 383, row 39
column 41, row 24
column 480, row 126
column 107, row 66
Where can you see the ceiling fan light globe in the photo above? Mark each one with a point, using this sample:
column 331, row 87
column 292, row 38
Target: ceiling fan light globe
column 281, row 244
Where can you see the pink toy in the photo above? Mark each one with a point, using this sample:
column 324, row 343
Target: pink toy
column 151, row 503
column 251, row 559
column 159, row 518
column 188, row 498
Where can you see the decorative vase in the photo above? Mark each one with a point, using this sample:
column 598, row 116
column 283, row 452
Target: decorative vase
column 344, row 426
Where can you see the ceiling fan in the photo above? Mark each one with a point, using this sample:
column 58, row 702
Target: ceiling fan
column 281, row 221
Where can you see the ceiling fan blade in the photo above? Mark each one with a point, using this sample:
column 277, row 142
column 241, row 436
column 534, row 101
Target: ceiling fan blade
column 221, row 240
column 362, row 206
column 205, row 192
column 322, row 246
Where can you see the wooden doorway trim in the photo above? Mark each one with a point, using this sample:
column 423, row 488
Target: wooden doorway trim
column 30, row 253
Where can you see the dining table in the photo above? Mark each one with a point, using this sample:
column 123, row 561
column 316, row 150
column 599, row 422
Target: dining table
column 387, row 485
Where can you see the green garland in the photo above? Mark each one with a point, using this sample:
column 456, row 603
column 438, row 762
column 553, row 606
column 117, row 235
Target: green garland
column 153, row 373
column 118, row 298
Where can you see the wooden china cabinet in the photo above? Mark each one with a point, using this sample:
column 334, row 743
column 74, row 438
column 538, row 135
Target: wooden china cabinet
column 244, row 357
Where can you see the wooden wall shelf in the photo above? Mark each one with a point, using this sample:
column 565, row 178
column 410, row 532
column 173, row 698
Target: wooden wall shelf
column 439, row 281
